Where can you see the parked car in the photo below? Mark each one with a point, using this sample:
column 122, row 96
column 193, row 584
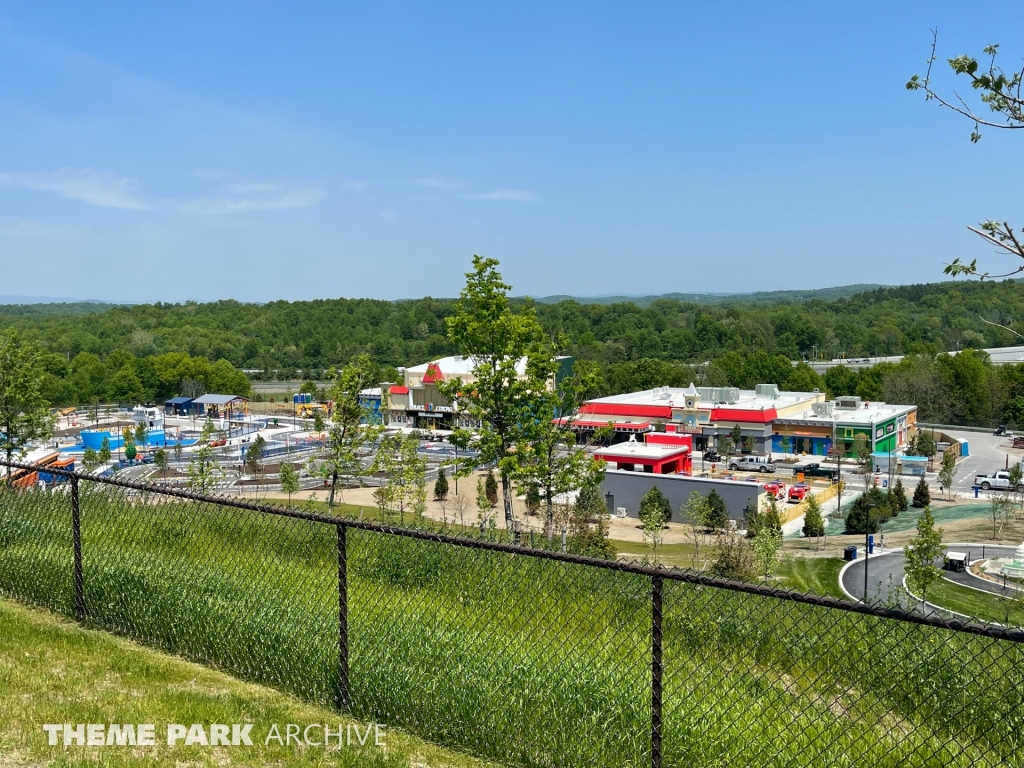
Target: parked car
column 1002, row 430
column 712, row 456
column 751, row 464
column 219, row 442
column 776, row 489
column 798, row 493
column 816, row 470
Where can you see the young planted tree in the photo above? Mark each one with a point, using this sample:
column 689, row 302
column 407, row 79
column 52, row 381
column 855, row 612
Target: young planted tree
column 90, row 459
column 920, row 554
column 350, row 430
column 766, row 546
column 289, row 480
column 814, row 523
column 1017, row 481
column 24, row 411
column 204, row 469
column 926, row 446
column 104, row 452
column 718, row 514
column 734, row 558
column 160, row 459
column 946, row 472
column 922, row 496
column 491, row 488
column 483, row 505
column 485, row 329
column 547, row 456
column 178, row 449
column 532, row 499
column 254, row 459
column 999, row 513
column 899, row 496
column 772, row 518
column 441, row 485
column 696, row 512
column 140, row 434
column 736, row 436
column 654, row 511
column 588, row 525
column 862, row 455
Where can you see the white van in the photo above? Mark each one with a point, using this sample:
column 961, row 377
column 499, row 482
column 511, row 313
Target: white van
column 751, row 464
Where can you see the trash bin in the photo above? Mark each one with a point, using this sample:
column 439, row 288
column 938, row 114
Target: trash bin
column 871, row 544
column 975, row 491
column 850, row 553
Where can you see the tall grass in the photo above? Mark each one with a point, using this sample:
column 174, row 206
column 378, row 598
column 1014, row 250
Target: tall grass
column 522, row 660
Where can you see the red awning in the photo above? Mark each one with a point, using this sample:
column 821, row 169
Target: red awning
column 399, row 390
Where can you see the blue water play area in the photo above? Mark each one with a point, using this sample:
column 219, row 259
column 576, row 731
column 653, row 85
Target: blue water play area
column 93, row 438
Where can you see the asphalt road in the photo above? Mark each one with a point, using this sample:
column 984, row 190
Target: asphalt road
column 885, row 575
column 988, row 454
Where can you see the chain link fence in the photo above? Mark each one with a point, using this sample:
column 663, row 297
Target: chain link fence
column 520, row 655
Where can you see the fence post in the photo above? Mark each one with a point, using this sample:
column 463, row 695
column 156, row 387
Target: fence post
column 344, row 695
column 657, row 668
column 76, row 538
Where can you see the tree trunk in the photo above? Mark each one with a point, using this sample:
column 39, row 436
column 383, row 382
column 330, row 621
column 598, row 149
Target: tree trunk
column 506, row 493
column 549, row 525
column 330, row 496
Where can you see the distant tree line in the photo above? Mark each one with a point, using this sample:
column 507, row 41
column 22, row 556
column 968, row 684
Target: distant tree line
column 117, row 353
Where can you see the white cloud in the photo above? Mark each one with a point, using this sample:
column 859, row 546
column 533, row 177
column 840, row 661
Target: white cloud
column 255, row 196
column 440, row 182
column 520, row 195
column 85, row 184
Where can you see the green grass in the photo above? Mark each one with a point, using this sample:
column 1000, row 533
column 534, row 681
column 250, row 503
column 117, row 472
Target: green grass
column 52, row 671
column 520, row 660
column 819, row 575
column 980, row 605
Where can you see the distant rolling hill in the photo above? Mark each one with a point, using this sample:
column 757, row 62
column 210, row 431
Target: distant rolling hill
column 761, row 297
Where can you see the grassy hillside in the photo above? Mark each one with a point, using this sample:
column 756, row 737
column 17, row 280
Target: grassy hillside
column 521, row 660
column 52, row 671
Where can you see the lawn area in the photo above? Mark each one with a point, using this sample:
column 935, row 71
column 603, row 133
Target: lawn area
column 52, row 671
column 819, row 575
column 980, row 605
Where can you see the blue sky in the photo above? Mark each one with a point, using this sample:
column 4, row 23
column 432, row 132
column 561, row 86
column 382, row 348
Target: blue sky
column 264, row 151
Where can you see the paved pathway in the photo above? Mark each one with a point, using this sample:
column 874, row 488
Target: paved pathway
column 885, row 575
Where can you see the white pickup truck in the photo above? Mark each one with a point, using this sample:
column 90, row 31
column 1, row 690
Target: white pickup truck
column 999, row 481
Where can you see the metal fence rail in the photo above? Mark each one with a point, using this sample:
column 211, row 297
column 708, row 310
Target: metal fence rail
column 526, row 656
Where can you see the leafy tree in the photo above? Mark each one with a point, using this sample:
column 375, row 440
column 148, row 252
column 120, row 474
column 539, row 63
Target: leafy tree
column 140, row 433
column 654, row 511
column 772, row 519
column 922, row 496
column 349, row 431
column 999, row 511
column 491, row 488
column 532, row 498
column 485, row 329
column 204, row 469
column 90, row 459
column 1000, row 93
column 178, row 448
column 753, row 518
column 289, row 480
column 548, row 456
column 899, row 496
column 24, row 414
column 947, row 471
column 254, row 458
column 160, row 459
column 920, row 554
column 441, row 485
column 814, row 523
column 588, row 527
column 104, row 453
column 868, row 512
column 483, row 504
column 695, row 512
column 717, row 513
column 734, row 558
column 318, row 422
column 736, row 435
column 766, row 545
column 1017, row 480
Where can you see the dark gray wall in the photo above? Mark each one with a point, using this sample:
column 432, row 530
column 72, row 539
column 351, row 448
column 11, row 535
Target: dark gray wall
column 628, row 488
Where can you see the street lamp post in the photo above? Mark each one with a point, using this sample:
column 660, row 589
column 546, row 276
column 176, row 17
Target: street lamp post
column 867, row 534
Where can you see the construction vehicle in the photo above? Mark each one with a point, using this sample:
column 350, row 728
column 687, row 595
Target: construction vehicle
column 309, row 410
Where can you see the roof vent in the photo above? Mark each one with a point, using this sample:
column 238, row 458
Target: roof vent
column 767, row 390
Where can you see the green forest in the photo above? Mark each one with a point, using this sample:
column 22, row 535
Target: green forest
column 150, row 351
